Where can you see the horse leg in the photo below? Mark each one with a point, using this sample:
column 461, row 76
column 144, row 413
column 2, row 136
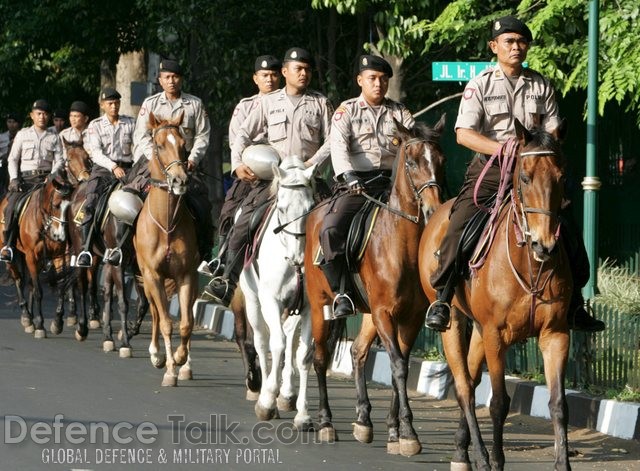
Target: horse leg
column 141, row 309
column 26, row 318
column 108, row 345
column 92, row 289
column 72, row 317
column 36, row 300
column 409, row 442
column 363, row 428
column 123, row 309
column 153, row 294
column 185, row 373
column 500, row 401
column 287, row 397
column 81, row 322
column 56, row 324
column 321, row 331
column 170, row 377
column 187, row 296
column 555, row 350
column 244, row 339
column 302, row 420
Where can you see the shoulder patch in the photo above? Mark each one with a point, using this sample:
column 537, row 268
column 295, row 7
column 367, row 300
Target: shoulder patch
column 337, row 116
column 143, row 111
column 468, row 93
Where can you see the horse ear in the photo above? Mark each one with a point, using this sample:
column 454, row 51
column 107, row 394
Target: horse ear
column 404, row 132
column 278, row 173
column 178, row 120
column 439, row 127
column 309, row 171
column 65, row 142
column 153, row 122
column 523, row 135
column 560, row 132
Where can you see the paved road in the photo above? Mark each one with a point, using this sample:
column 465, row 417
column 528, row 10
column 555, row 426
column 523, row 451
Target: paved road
column 67, row 405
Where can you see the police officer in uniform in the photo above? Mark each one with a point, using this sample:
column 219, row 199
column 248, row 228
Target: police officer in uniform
column 77, row 131
column 195, row 129
column 266, row 76
column 14, row 123
column 363, row 150
column 35, row 153
column 109, row 143
column 295, row 121
column 490, row 104
column 59, row 121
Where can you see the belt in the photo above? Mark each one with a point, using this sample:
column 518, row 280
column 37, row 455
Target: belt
column 31, row 173
column 124, row 164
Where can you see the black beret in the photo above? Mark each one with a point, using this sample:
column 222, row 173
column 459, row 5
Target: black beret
column 79, row 106
column 170, row 65
column 58, row 113
column 15, row 117
column 510, row 24
column 109, row 93
column 298, row 54
column 267, row 63
column 42, row 105
column 376, row 63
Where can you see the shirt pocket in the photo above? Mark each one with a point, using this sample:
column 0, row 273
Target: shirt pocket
column 534, row 112
column 126, row 145
column 50, row 149
column 311, row 127
column 277, row 127
column 28, row 150
column 498, row 116
column 364, row 135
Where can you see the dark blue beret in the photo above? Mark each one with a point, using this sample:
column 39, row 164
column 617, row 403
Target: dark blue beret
column 377, row 63
column 109, row 93
column 42, row 105
column 510, row 24
column 267, row 63
column 299, row 55
column 170, row 65
column 79, row 106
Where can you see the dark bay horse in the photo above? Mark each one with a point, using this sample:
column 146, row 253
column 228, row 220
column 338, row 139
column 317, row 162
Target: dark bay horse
column 522, row 290
column 389, row 271
column 42, row 238
column 166, row 247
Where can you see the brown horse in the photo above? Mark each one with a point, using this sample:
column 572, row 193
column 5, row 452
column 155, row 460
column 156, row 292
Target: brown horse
column 42, row 237
column 389, row 271
column 522, row 290
column 166, row 247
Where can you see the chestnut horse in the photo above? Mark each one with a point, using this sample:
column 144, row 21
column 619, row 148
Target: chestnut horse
column 166, row 247
column 389, row 271
column 42, row 237
column 522, row 290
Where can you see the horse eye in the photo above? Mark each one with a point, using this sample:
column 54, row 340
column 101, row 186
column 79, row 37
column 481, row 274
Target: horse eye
column 524, row 178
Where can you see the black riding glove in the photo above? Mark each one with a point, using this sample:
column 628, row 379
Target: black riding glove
column 14, row 185
column 353, row 181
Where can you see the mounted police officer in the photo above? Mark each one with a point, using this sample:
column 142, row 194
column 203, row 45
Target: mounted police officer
column 59, row 121
column 110, row 141
column 78, row 129
column 14, row 123
column 35, row 153
column 266, row 76
column 295, row 121
column 195, row 130
column 363, row 150
column 490, row 104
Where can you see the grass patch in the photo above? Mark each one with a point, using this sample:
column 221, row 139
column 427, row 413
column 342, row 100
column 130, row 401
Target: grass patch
column 619, row 288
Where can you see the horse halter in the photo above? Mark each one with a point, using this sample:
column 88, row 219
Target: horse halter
column 47, row 216
column 156, row 154
column 283, row 227
column 417, row 191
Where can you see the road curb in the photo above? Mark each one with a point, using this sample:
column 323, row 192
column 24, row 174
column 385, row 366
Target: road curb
column 433, row 378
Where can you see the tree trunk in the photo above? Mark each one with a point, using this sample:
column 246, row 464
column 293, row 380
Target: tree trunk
column 395, row 91
column 107, row 76
column 131, row 67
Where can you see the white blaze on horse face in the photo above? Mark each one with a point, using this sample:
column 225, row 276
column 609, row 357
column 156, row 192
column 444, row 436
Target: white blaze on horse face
column 58, row 229
column 172, row 140
column 430, row 196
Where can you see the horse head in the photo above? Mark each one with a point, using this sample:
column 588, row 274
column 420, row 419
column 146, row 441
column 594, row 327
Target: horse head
column 168, row 167
column 293, row 186
column 56, row 196
column 78, row 162
column 422, row 160
column 538, row 182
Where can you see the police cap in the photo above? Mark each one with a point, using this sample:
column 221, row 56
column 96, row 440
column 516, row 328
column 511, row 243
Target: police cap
column 299, row 55
column 377, row 63
column 14, row 116
column 109, row 93
column 59, row 113
column 80, row 107
column 510, row 24
column 267, row 63
column 42, row 105
column 170, row 65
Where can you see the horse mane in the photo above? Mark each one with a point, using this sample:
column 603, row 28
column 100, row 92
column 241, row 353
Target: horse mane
column 542, row 139
column 421, row 131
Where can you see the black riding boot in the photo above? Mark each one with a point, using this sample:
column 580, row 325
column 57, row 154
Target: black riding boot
column 439, row 313
column 342, row 303
column 85, row 259
column 579, row 318
column 221, row 288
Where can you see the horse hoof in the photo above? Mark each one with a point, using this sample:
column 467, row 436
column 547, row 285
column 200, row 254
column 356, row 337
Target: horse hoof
column 410, row 446
column 108, row 346
column 158, row 360
column 286, row 404
column 362, row 433
column 40, row 334
column 185, row 374
column 125, row 352
column 25, row 321
column 55, row 329
column 327, row 434
column 266, row 413
column 30, row 329
column 169, row 380
column 71, row 321
column 393, row 448
column 252, row 395
column 459, row 466
column 79, row 337
column 304, row 424
column 94, row 324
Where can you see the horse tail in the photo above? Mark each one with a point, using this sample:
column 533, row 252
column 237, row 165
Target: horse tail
column 337, row 333
column 63, row 278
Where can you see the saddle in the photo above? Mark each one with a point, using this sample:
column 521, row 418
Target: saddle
column 22, row 201
column 470, row 246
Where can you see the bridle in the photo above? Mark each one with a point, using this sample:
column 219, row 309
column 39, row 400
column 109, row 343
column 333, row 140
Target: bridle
column 166, row 184
column 47, row 215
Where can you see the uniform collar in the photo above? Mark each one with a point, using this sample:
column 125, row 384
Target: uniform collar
column 183, row 97
column 362, row 103
column 498, row 73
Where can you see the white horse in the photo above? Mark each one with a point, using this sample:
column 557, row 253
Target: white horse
column 272, row 284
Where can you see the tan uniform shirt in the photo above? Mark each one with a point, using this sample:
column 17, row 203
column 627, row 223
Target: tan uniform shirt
column 240, row 113
column 72, row 135
column 33, row 152
column 490, row 106
column 363, row 137
column 195, row 127
column 110, row 144
column 291, row 129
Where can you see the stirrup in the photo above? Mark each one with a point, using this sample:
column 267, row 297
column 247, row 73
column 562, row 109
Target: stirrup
column 110, row 253
column 210, row 268
column 335, row 302
column 74, row 260
column 437, row 302
column 6, row 254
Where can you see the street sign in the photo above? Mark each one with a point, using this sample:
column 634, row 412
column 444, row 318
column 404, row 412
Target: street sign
column 458, row 71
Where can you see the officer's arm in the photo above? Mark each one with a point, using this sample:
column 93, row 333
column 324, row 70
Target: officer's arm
column 97, row 153
column 58, row 155
column 13, row 161
column 321, row 156
column 201, row 137
column 142, row 135
column 251, row 127
column 472, row 139
column 340, row 137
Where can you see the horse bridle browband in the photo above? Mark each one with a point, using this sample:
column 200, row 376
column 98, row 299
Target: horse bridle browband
column 156, row 154
column 281, row 226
